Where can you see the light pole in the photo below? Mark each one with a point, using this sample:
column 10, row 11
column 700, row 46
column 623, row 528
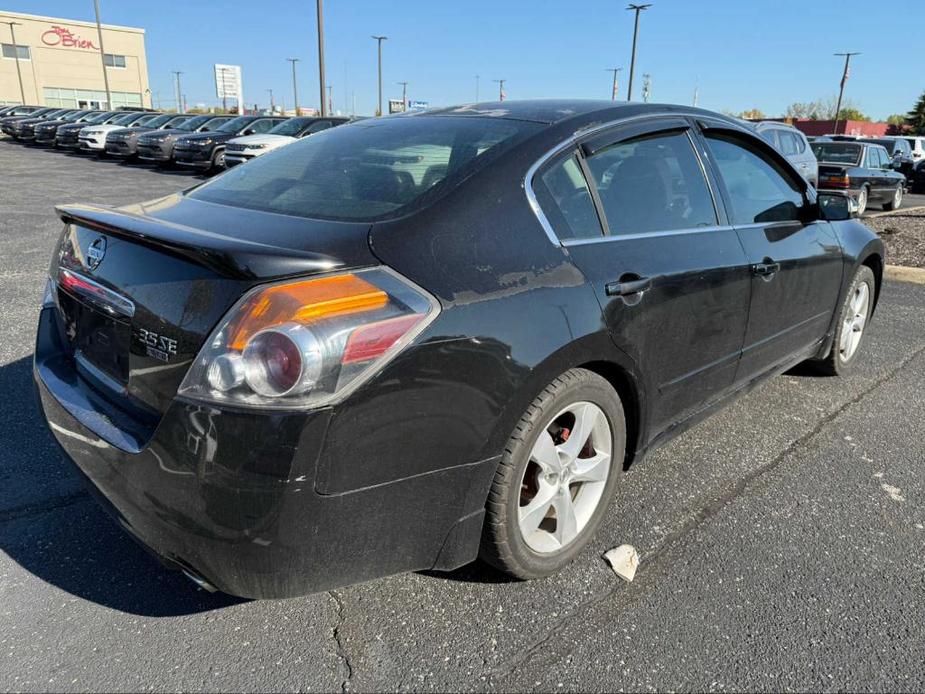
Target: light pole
column 99, row 33
column 379, row 40
column 646, row 86
column 476, row 89
column 613, row 91
column 330, row 99
column 179, row 100
column 22, row 92
column 404, row 95
column 272, row 103
column 295, row 88
column 500, row 89
column 841, row 91
column 637, row 9
column 324, row 111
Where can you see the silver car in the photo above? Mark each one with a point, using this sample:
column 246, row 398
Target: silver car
column 792, row 144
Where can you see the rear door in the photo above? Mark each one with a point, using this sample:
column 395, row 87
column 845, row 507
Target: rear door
column 795, row 258
column 637, row 215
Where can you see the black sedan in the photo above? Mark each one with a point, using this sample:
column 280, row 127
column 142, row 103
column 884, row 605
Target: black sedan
column 157, row 146
column 47, row 131
column 206, row 151
column 865, row 171
column 410, row 341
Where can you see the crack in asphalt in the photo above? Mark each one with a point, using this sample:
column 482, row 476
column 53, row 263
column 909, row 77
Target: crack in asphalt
column 341, row 649
column 656, row 559
column 53, row 504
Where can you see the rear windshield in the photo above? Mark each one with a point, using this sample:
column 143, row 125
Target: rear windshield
column 837, row 152
column 373, row 169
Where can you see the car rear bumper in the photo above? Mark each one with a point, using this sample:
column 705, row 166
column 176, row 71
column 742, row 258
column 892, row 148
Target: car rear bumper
column 230, row 496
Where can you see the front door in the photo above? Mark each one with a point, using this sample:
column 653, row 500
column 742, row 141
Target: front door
column 795, row 258
column 640, row 221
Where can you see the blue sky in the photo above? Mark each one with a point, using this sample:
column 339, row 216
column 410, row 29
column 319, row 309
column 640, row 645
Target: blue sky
column 742, row 54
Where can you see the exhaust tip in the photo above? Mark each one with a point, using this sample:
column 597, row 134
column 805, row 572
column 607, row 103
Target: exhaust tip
column 199, row 581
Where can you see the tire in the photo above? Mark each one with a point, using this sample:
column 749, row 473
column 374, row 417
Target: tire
column 218, row 161
column 862, row 201
column 520, row 482
column 840, row 360
column 896, row 201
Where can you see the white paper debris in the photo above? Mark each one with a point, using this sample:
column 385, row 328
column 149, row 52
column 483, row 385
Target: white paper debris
column 624, row 560
column 896, row 494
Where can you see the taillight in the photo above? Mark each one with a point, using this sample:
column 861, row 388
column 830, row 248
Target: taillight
column 836, row 181
column 309, row 342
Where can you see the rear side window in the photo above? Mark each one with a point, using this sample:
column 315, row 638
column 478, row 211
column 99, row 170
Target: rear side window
column 565, row 198
column 790, row 144
column 373, row 169
column 652, row 183
column 759, row 189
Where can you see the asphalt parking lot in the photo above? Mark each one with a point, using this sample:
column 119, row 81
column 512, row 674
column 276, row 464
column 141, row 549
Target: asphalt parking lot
column 782, row 542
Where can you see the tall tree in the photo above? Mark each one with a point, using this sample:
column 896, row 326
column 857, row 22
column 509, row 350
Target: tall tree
column 915, row 119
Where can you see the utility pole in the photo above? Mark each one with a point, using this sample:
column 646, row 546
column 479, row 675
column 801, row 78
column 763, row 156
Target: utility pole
column 613, row 92
column 330, row 100
column 324, row 111
column 476, row 89
column 99, row 33
column 501, row 93
column 646, row 87
column 404, row 95
column 272, row 103
column 179, row 100
column 841, row 91
column 637, row 9
column 696, row 91
column 295, row 88
column 379, row 40
column 22, row 92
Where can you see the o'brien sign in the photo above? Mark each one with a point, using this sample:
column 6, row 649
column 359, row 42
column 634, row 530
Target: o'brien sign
column 59, row 36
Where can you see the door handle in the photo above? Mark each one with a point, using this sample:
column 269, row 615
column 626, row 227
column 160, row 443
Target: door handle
column 628, row 287
column 766, row 268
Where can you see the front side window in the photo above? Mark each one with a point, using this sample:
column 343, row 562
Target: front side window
column 565, row 198
column 652, row 183
column 374, row 169
column 873, row 158
column 17, row 51
column 759, row 189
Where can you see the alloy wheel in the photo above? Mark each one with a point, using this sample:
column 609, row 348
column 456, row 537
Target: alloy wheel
column 565, row 477
column 898, row 197
column 855, row 320
column 862, row 201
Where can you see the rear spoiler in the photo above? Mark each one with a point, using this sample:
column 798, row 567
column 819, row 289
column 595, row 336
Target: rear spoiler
column 231, row 256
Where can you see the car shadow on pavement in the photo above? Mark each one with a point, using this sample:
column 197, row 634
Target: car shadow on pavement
column 52, row 528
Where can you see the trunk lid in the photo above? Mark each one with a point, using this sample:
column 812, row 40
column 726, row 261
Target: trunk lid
column 140, row 288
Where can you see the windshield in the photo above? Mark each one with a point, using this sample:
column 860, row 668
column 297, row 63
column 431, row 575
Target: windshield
column 160, row 120
column 371, row 170
column 100, row 117
column 837, row 152
column 292, row 127
column 215, row 122
column 890, row 145
column 125, row 120
column 174, row 122
column 194, row 123
column 235, row 124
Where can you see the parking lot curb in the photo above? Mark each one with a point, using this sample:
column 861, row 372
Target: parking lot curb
column 901, row 273
column 901, row 210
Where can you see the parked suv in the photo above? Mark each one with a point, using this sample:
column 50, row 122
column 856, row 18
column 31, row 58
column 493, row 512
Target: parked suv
column 93, row 139
column 917, row 143
column 23, row 129
column 6, row 123
column 901, row 154
column 207, row 150
column 124, row 143
column 158, row 146
column 792, row 144
column 46, row 131
column 242, row 149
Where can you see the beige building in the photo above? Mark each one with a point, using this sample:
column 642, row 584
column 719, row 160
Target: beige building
column 59, row 63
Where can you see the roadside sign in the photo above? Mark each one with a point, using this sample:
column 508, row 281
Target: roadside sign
column 228, row 82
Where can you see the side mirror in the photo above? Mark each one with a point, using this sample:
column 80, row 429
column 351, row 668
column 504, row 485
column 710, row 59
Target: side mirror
column 837, row 207
column 249, row 131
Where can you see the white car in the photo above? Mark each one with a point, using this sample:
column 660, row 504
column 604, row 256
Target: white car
column 93, row 137
column 243, row 149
